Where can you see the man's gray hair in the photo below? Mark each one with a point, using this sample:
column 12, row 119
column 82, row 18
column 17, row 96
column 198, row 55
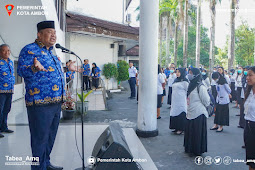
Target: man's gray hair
column 4, row 45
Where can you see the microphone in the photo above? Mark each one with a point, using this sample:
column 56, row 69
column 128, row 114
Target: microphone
column 62, row 48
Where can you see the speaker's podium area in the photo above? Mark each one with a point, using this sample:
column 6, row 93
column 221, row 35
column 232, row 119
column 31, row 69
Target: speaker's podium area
column 100, row 140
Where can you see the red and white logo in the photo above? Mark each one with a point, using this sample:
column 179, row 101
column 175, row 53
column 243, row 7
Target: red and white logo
column 9, row 8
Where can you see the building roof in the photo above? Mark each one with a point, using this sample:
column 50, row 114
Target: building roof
column 76, row 23
column 134, row 51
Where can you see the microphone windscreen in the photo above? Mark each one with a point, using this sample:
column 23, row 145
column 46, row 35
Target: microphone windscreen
column 58, row 46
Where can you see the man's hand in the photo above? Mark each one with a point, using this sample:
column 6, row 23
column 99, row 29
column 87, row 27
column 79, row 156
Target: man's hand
column 72, row 67
column 38, row 66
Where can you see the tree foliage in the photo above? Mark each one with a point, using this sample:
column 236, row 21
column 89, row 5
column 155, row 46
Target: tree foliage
column 204, row 47
column 244, row 45
column 110, row 71
column 122, row 67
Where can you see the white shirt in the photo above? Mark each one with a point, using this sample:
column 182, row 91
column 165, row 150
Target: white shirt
column 164, row 76
column 242, row 93
column 233, row 78
column 227, row 79
column 161, row 80
column 132, row 71
column 206, row 82
column 223, row 92
column 249, row 107
column 171, row 79
column 213, row 82
column 179, row 98
column 239, row 81
column 197, row 103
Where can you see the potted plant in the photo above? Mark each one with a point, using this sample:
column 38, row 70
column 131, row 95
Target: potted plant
column 85, row 103
column 68, row 107
column 110, row 71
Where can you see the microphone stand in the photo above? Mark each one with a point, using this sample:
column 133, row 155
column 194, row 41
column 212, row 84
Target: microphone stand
column 82, row 111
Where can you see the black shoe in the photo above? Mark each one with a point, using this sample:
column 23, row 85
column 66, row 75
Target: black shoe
column 214, row 128
column 219, row 130
column 159, row 117
column 240, row 126
column 131, row 97
column 1, row 135
column 8, row 131
column 51, row 167
column 238, row 115
column 243, row 147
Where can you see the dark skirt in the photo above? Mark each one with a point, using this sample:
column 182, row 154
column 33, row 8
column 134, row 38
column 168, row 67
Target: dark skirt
column 214, row 92
column 178, row 122
column 249, row 138
column 233, row 92
column 159, row 104
column 164, row 92
column 222, row 114
column 238, row 94
column 195, row 136
column 169, row 99
column 242, row 120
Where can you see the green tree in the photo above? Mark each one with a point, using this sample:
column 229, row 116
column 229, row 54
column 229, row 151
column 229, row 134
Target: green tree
column 244, row 45
column 191, row 53
column 110, row 71
column 221, row 58
column 122, row 67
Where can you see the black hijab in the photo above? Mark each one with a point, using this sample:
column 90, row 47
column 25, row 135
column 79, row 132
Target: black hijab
column 196, row 81
column 159, row 69
column 93, row 68
column 222, row 79
column 182, row 77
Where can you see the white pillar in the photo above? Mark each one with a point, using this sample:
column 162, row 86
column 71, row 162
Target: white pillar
column 148, row 69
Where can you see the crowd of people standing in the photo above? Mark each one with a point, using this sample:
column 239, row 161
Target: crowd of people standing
column 191, row 93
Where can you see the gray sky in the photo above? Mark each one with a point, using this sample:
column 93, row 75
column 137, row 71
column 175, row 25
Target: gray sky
column 112, row 10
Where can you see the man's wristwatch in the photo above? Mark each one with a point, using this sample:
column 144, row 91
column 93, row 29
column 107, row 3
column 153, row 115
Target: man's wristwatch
column 34, row 69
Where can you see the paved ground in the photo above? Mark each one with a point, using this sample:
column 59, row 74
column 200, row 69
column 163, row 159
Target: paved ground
column 166, row 150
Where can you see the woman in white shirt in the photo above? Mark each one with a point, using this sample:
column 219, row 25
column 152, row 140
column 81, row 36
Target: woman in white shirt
column 222, row 103
column 215, row 75
column 179, row 102
column 161, row 82
column 205, row 79
column 232, row 76
column 239, row 86
column 171, row 79
column 227, row 77
column 195, row 136
column 164, row 86
column 249, row 111
column 244, row 85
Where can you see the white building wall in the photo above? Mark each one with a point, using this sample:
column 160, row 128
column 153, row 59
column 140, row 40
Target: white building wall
column 20, row 30
column 95, row 49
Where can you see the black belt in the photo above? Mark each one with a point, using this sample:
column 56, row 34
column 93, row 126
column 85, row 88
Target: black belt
column 250, row 122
